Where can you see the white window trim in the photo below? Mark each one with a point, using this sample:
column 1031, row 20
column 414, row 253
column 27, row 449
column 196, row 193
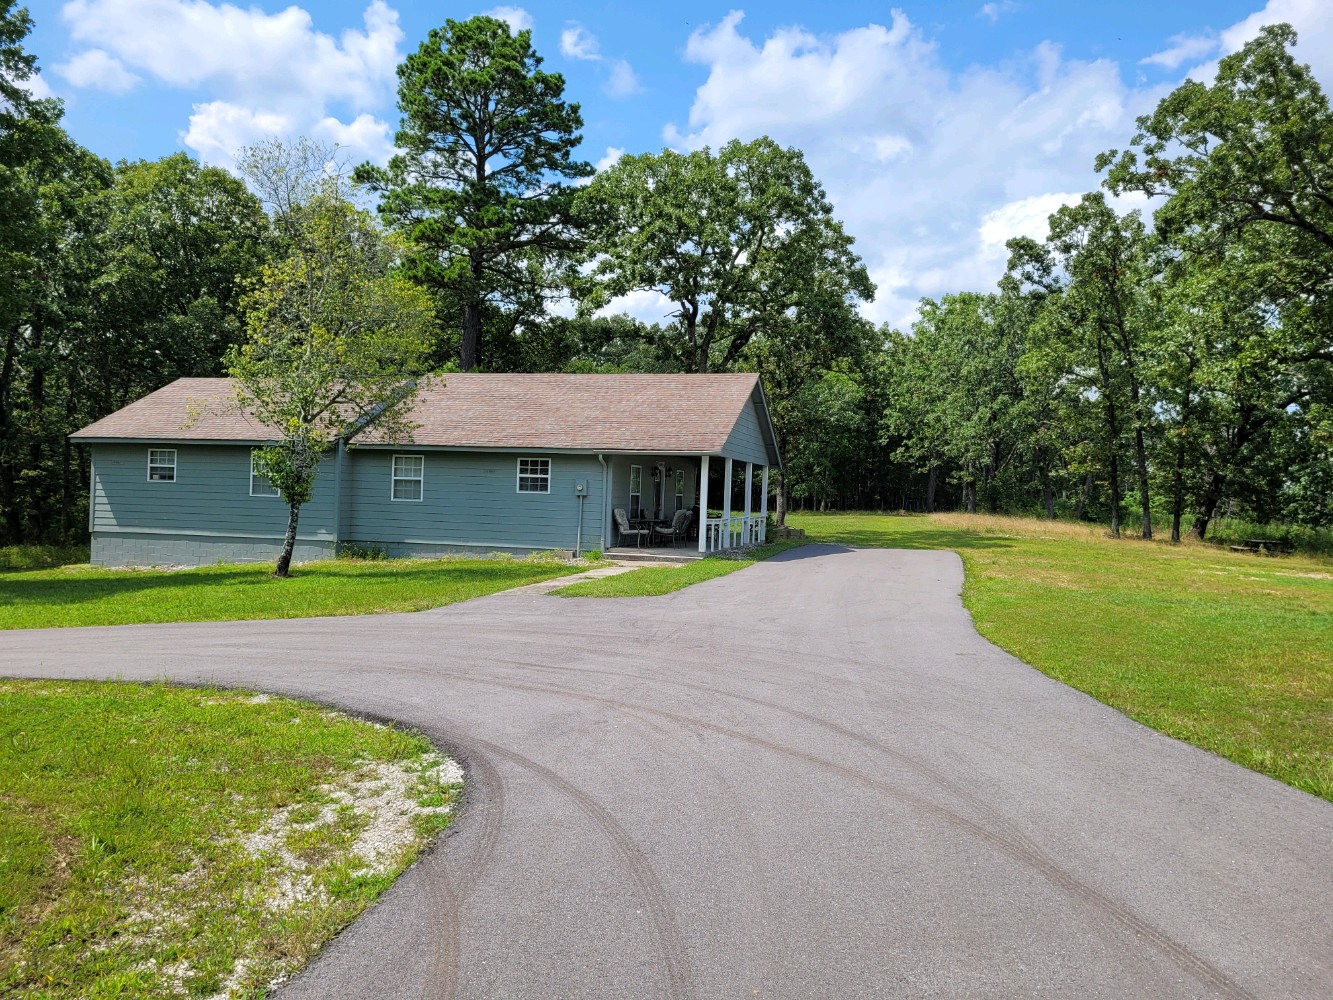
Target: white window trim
column 394, row 478
column 254, row 475
column 680, row 489
column 518, row 474
column 148, row 473
column 635, row 510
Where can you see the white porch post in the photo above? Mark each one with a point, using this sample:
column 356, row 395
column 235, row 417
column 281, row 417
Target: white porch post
column 703, row 504
column 763, row 507
column 726, row 503
column 749, row 492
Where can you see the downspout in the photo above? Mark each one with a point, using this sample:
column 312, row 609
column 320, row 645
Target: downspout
column 606, row 503
column 338, row 457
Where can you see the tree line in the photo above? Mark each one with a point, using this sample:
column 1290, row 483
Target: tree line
column 1120, row 370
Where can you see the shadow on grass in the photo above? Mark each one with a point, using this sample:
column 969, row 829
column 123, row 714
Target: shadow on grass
column 78, row 589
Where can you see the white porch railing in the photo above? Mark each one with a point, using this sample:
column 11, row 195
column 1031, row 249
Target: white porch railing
column 721, row 533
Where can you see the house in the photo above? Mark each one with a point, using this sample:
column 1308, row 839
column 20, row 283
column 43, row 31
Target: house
column 497, row 463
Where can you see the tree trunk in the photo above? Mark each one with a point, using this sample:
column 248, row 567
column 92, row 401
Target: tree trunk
column 1084, row 492
column 467, row 356
column 932, row 481
column 1212, row 496
column 1047, row 493
column 1115, row 495
column 970, row 496
column 471, row 348
column 780, row 500
column 283, row 569
column 1141, row 461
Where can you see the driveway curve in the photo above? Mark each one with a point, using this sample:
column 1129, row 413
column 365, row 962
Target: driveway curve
column 811, row 778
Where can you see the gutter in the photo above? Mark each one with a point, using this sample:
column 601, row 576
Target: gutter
column 606, row 503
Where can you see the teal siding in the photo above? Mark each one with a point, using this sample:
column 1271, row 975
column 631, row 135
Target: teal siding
column 620, row 465
column 746, row 441
column 211, row 495
column 471, row 500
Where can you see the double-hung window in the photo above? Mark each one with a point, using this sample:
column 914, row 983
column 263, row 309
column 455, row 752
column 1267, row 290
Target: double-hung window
column 259, row 484
column 161, row 465
column 534, row 475
column 409, row 474
column 680, row 489
column 636, row 491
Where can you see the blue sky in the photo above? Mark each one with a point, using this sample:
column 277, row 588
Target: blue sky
column 939, row 129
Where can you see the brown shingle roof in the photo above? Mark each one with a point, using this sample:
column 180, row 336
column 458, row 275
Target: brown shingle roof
column 690, row 414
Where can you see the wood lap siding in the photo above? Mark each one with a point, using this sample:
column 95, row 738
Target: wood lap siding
column 746, row 441
column 211, row 494
column 472, row 499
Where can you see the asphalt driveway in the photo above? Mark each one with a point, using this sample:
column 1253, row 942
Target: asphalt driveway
column 811, row 778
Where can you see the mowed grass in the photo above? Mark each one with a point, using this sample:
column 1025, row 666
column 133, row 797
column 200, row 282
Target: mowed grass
column 129, row 863
column 1231, row 652
column 86, row 595
column 653, row 581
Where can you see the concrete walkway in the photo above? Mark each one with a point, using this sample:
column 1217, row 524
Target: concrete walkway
column 810, row 778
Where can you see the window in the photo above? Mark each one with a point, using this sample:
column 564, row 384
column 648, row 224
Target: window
column 534, row 475
column 635, row 491
column 409, row 472
column 161, row 465
column 259, row 485
column 680, row 489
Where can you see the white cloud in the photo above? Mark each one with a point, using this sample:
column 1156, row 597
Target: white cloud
column 622, row 81
column 1183, row 49
column 890, row 147
column 218, row 129
column 1312, row 22
column 37, row 86
column 645, row 306
column 517, row 18
column 98, row 70
column 613, row 154
column 577, row 42
column 258, row 68
column 930, row 169
column 1024, row 217
column 992, row 11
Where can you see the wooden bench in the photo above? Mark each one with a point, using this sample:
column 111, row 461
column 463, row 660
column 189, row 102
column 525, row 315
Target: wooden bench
column 1262, row 546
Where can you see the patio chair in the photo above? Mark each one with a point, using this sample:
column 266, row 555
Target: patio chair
column 680, row 527
column 623, row 530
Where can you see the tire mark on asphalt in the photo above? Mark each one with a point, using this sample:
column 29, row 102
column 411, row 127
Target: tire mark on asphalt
column 665, row 927
column 1017, row 850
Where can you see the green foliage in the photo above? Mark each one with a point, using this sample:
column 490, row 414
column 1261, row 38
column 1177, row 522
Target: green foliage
column 479, row 187
column 364, row 553
column 41, row 556
column 735, row 241
column 336, row 340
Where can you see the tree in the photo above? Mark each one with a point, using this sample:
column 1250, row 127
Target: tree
column 479, row 185
column 1095, row 270
column 336, row 341
column 735, row 241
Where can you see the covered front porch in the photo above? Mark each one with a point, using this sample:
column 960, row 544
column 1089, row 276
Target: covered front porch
column 678, row 506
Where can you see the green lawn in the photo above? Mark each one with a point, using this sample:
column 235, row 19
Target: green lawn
column 84, row 595
column 159, row 841
column 1230, row 652
column 652, row 581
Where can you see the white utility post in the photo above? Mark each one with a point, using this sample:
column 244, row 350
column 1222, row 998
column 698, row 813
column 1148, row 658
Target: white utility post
column 749, row 503
column 763, row 507
column 727, row 480
column 703, row 504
